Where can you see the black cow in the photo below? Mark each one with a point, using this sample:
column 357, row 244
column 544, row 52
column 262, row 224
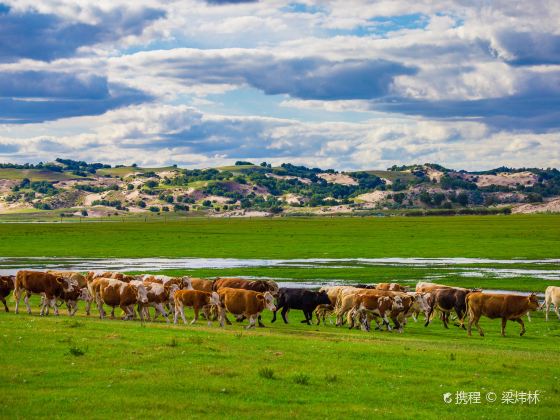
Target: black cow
column 306, row 300
column 449, row 299
column 6, row 287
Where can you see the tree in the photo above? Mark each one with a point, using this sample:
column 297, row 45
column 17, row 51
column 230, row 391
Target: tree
column 463, row 199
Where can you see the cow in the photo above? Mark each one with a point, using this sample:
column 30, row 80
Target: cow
column 551, row 297
column 247, row 303
column 91, row 275
column 204, row 285
column 158, row 295
column 260, row 286
column 38, row 282
column 366, row 304
column 393, row 287
column 6, row 287
column 504, row 306
column 182, row 282
column 118, row 293
column 71, row 275
column 422, row 304
column 426, row 287
column 447, row 299
column 294, row 298
column 198, row 299
column 343, row 305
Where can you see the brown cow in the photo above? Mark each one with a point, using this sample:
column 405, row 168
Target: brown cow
column 504, row 306
column 204, row 285
column 198, row 300
column 91, row 275
column 366, row 304
column 248, row 303
column 118, row 293
column 158, row 295
column 38, row 282
column 6, row 287
column 181, row 282
column 393, row 287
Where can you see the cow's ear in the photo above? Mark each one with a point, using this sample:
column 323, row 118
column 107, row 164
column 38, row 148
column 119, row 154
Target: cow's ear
column 260, row 296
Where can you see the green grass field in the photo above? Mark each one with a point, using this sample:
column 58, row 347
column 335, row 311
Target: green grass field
column 69, row 367
column 469, row 236
column 155, row 370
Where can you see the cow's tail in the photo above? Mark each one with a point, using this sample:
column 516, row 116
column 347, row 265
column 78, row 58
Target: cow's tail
column 466, row 310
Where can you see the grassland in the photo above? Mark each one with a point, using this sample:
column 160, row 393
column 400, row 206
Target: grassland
column 84, row 367
column 78, row 367
column 470, row 236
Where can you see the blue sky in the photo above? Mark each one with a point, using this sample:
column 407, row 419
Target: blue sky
column 345, row 84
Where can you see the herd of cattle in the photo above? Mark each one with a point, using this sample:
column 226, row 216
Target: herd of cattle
column 358, row 305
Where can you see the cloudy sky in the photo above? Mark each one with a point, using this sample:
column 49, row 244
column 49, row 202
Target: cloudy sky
column 345, row 84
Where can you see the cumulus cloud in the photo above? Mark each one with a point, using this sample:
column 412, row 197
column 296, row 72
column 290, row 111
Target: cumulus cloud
column 44, row 36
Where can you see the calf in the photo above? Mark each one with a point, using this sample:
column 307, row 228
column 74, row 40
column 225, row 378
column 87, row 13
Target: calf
column 37, row 282
column 372, row 304
column 248, row 303
column 551, row 297
column 306, row 300
column 118, row 293
column 506, row 307
column 198, row 300
column 6, row 287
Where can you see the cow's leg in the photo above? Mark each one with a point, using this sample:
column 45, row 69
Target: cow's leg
column 206, row 313
column 504, row 322
column 17, row 297
column 259, row 320
column 284, row 312
column 26, row 301
column 546, row 309
column 221, row 315
column 529, row 316
column 183, row 314
column 415, row 316
column 480, row 331
column 252, row 322
column 519, row 320
column 557, row 309
column 126, row 315
column 445, row 319
column 318, row 317
column 195, row 310
column 350, row 316
column 5, row 306
column 100, row 309
column 88, row 306
column 159, row 307
column 113, row 312
column 429, row 316
column 274, row 314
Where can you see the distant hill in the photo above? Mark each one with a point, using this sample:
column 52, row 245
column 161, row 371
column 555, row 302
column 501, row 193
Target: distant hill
column 77, row 188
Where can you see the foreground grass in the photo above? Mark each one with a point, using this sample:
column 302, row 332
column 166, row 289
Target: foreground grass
column 525, row 236
column 72, row 367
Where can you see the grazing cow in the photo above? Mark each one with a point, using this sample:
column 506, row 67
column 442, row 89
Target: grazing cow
column 118, row 293
column 70, row 298
column 426, row 287
column 306, row 300
column 393, row 287
column 422, row 304
column 551, row 297
column 343, row 305
column 198, row 299
column 78, row 278
column 248, row 303
column 181, row 282
column 6, row 287
column 204, row 285
column 368, row 304
column 38, row 282
column 91, row 275
column 447, row 299
column 504, row 306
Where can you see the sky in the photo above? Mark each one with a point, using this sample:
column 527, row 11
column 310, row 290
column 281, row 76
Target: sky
column 344, row 84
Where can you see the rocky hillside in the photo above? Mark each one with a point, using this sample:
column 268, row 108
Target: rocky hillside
column 75, row 188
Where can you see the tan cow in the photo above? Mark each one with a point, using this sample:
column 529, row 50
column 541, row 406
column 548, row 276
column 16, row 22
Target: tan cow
column 198, row 299
column 182, row 282
column 504, row 306
column 6, row 287
column 78, row 278
column 393, row 287
column 118, row 293
column 38, row 282
column 247, row 303
column 552, row 297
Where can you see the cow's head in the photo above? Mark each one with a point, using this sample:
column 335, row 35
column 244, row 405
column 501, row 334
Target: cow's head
column 186, row 283
column 84, row 294
column 272, row 287
column 67, row 284
column 141, row 293
column 533, row 302
column 397, row 304
column 215, row 299
column 269, row 301
column 323, row 298
column 171, row 289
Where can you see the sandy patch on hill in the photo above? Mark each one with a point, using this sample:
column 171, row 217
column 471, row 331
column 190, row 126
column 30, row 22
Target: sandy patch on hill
column 10, row 207
column 285, row 177
column 242, row 213
column 6, row 185
column 504, row 179
column 373, row 197
column 342, row 179
column 293, row 199
column 434, row 174
column 218, row 199
column 552, row 206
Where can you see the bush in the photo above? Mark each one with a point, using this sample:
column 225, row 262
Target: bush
column 154, row 209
